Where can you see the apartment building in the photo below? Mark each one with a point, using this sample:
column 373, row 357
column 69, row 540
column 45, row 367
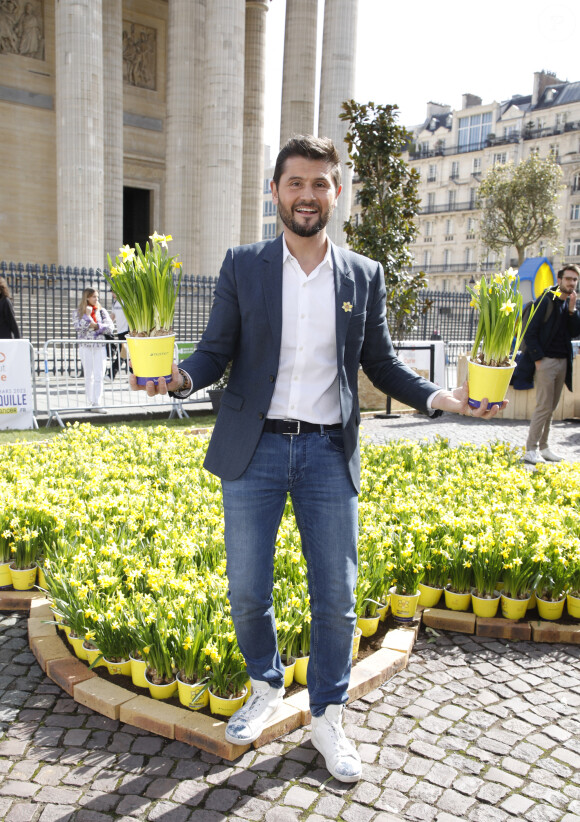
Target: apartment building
column 453, row 150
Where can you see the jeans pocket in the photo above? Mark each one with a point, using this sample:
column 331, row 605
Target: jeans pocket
column 336, row 440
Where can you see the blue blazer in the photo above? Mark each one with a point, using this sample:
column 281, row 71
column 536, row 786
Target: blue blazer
column 245, row 326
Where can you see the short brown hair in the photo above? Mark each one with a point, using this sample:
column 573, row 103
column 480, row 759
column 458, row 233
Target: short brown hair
column 312, row 148
column 4, row 290
column 569, row 267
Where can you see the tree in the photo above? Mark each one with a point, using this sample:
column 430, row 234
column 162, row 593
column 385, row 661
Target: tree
column 518, row 204
column 390, row 203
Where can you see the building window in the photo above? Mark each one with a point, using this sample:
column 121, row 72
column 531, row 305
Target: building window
column 444, row 285
column 267, row 182
column 431, row 201
column 576, row 181
column 573, row 249
column 432, row 174
column 426, row 259
column 468, row 257
column 554, row 151
column 511, row 131
column 500, row 158
column 447, row 259
column 561, row 120
column 454, row 170
column 448, row 230
column 470, row 228
column 451, row 199
column 473, row 131
column 476, row 167
column 575, row 211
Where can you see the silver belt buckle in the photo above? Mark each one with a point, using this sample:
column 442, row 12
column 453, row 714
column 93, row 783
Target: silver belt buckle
column 292, row 423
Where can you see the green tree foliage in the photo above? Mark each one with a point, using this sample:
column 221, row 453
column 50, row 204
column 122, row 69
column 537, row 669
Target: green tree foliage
column 390, row 203
column 518, row 204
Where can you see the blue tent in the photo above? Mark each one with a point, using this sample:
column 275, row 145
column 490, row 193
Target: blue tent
column 536, row 274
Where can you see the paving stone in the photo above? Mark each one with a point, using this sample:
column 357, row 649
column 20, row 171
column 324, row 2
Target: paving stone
column 168, row 812
column 517, row 805
column 454, row 802
column 468, row 785
column 391, row 801
column 492, row 793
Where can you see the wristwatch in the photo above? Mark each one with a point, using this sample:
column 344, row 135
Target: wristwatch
column 186, row 387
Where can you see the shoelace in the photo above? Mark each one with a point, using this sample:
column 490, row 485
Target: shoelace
column 253, row 705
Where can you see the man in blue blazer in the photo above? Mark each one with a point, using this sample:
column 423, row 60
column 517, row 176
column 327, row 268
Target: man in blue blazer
column 296, row 316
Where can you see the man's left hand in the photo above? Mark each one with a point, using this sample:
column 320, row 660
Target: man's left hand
column 456, row 402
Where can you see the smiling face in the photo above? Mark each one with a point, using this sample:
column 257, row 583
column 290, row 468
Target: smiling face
column 305, row 196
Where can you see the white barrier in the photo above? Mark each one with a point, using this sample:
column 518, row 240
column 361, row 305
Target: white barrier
column 65, row 382
column 17, row 385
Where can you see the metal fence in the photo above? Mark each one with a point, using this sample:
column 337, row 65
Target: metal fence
column 45, row 298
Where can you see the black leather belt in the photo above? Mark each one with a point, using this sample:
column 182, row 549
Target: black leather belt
column 294, row 427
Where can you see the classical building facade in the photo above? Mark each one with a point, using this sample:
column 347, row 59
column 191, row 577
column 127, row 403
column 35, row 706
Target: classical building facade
column 121, row 117
column 453, row 149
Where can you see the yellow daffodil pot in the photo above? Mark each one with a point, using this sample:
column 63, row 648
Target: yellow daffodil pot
column 77, row 644
column 368, row 625
column 300, row 669
column 573, row 606
column 161, row 691
column 122, row 668
column 356, row 642
column 138, row 668
column 403, row 606
column 151, row 357
column 533, row 601
column 41, row 579
column 193, row 696
column 23, row 579
column 225, row 706
column 457, row 601
column 429, row 597
column 485, row 606
column 550, row 610
column 92, row 654
column 513, row 608
column 5, row 577
column 384, row 609
column 488, row 381
column 289, row 666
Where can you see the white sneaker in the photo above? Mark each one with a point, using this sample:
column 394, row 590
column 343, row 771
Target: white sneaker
column 341, row 757
column 550, row 456
column 247, row 724
column 533, row 457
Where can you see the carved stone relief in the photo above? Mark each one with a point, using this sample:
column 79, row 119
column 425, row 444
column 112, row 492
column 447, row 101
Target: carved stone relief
column 139, row 55
column 22, row 28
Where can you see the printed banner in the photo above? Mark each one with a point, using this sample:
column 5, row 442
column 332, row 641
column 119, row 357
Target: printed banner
column 16, row 401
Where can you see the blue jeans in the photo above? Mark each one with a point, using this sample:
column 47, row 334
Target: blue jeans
column 312, row 469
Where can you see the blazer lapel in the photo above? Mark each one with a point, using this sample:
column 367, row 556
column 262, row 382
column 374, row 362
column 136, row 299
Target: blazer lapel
column 344, row 295
column 271, row 275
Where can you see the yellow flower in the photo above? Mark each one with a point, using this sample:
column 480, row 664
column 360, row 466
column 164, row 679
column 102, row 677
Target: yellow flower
column 127, row 253
column 162, row 239
column 346, row 306
column 507, row 307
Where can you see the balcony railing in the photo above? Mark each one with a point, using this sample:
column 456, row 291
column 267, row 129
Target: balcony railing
column 455, row 268
column 439, row 209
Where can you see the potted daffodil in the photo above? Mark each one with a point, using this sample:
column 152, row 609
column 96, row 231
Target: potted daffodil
column 500, row 331
column 146, row 284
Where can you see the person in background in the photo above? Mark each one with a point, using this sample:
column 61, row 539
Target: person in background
column 8, row 326
column 297, row 315
column 92, row 322
column 549, row 350
column 122, row 327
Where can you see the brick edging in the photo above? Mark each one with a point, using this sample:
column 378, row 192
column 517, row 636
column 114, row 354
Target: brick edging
column 537, row 630
column 57, row 660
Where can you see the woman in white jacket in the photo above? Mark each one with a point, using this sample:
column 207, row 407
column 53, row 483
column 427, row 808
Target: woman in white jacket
column 92, row 322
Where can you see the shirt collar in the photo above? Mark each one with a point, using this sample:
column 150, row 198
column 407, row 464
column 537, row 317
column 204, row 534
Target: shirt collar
column 327, row 257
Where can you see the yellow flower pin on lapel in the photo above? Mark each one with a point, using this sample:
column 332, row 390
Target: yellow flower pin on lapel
column 347, row 307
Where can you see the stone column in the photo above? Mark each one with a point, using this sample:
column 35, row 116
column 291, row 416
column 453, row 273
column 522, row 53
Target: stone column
column 113, row 124
column 336, row 86
column 79, row 132
column 186, row 37
column 223, row 119
column 299, row 78
column 254, row 83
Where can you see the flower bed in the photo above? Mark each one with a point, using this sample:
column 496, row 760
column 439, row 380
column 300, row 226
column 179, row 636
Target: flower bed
column 129, row 530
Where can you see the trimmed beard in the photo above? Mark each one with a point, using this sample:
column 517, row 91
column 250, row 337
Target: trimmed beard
column 287, row 217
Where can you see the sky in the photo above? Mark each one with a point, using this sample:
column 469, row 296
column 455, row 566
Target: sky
column 409, row 54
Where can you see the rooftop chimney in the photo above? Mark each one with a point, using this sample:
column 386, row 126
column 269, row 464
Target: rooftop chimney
column 543, row 79
column 470, row 100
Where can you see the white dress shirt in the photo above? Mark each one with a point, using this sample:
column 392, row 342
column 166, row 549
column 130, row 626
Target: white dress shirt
column 307, row 382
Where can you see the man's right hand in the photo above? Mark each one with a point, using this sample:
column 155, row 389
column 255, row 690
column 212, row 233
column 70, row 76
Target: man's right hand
column 162, row 387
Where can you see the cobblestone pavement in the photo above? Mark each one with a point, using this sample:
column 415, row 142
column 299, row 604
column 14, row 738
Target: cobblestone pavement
column 474, row 729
